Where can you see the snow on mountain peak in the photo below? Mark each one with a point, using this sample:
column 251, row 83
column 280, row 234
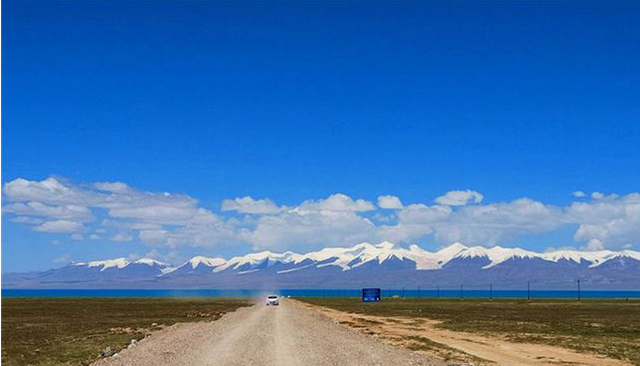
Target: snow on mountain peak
column 120, row 263
column 109, row 263
column 380, row 264
column 496, row 255
column 426, row 260
column 366, row 252
column 630, row 254
column 385, row 245
column 348, row 258
column 207, row 261
column 472, row 252
column 454, row 248
column 151, row 262
column 253, row 259
column 595, row 257
column 613, row 255
column 356, row 256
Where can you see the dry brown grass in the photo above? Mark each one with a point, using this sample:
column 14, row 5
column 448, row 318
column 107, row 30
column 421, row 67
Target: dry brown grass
column 74, row 331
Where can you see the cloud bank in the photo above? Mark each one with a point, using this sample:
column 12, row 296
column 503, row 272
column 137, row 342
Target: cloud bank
column 117, row 212
column 460, row 198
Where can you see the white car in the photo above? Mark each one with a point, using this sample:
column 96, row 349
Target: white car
column 272, row 300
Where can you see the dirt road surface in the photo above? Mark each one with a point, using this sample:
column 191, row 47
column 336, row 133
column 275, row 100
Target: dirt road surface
column 285, row 335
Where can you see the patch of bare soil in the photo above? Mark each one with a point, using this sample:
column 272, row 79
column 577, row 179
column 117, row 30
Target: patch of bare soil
column 423, row 335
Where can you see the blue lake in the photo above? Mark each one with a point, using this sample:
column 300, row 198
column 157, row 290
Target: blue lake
column 555, row 294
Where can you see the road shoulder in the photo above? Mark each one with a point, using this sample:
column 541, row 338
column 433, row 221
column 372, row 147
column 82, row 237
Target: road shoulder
column 424, row 336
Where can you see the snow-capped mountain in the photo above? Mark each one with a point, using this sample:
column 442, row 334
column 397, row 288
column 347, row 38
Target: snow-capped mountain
column 365, row 264
column 121, row 263
column 120, row 271
column 196, row 265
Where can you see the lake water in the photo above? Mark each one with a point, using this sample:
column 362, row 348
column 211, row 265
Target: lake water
column 554, row 294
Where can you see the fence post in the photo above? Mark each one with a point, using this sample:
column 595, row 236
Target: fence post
column 578, row 289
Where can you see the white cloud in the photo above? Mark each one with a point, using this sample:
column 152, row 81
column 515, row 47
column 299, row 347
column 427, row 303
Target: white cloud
column 249, row 205
column 384, row 218
column 423, row 214
column 156, row 213
column 122, row 237
column 49, row 191
column 475, row 225
column 27, row 220
column 172, row 256
column 67, row 207
column 402, row 232
column 313, row 223
column 172, row 220
column 579, row 194
column 495, row 223
column 115, row 187
column 389, row 202
column 336, row 203
column 611, row 221
column 63, row 259
column 594, row 244
column 308, row 229
column 60, row 226
column 459, row 198
column 414, row 222
column 66, row 212
column 156, row 237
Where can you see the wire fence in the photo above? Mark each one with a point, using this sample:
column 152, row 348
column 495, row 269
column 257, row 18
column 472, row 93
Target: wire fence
column 491, row 291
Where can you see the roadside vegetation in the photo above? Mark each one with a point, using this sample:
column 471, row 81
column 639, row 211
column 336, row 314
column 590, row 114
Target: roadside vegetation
column 75, row 331
column 606, row 327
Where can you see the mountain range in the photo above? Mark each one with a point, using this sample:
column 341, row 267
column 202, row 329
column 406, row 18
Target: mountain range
column 378, row 265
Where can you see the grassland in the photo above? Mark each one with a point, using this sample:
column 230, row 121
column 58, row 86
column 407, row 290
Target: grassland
column 606, row 327
column 66, row 331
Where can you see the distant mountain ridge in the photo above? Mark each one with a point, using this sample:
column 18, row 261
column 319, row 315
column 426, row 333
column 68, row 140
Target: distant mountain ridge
column 365, row 264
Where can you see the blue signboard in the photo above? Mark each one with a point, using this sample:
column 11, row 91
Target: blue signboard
column 370, row 294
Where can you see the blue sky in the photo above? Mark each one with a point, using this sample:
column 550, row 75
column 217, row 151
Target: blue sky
column 296, row 102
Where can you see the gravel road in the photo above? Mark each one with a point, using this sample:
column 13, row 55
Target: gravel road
column 285, row 335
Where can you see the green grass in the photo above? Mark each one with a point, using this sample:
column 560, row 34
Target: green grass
column 74, row 331
column 607, row 327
